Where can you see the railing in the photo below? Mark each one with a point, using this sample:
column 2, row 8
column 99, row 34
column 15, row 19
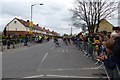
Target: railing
column 89, row 51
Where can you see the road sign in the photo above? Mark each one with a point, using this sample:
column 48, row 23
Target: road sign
column 30, row 32
column 31, row 24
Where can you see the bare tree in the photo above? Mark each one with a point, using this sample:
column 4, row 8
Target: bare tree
column 93, row 11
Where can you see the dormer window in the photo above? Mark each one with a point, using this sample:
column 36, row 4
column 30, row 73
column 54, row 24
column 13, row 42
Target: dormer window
column 15, row 22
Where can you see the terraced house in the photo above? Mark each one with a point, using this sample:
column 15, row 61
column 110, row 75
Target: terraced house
column 21, row 27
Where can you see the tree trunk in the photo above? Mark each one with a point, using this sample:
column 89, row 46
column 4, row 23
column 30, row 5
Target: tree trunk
column 91, row 29
column 97, row 29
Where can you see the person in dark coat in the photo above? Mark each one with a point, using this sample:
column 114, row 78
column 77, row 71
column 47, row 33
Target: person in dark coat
column 8, row 41
column 26, row 40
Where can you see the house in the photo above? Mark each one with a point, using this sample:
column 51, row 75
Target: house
column 104, row 26
column 21, row 27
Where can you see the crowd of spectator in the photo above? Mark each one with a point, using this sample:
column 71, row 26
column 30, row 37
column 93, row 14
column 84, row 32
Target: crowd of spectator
column 103, row 46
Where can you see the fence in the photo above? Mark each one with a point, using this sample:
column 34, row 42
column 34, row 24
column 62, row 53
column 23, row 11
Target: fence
column 89, row 51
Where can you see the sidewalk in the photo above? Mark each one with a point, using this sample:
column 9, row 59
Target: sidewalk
column 17, row 46
column 20, row 46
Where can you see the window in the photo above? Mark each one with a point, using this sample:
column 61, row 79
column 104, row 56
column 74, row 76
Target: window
column 15, row 22
column 26, row 29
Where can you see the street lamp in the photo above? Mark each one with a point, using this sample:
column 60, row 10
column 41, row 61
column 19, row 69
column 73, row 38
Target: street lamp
column 32, row 9
column 31, row 23
column 71, row 30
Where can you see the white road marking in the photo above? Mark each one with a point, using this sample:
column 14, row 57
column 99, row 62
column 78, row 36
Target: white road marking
column 92, row 68
column 34, row 76
column 63, row 76
column 63, row 51
column 52, row 47
column 42, row 62
column 44, row 56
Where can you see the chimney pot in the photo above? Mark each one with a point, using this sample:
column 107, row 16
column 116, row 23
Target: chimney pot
column 28, row 21
column 37, row 24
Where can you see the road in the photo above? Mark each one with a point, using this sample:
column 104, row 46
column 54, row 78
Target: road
column 47, row 61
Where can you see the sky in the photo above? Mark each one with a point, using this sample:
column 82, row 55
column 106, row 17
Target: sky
column 53, row 14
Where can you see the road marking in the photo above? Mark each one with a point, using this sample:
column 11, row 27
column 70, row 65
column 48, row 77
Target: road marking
column 52, row 47
column 63, row 76
column 92, row 68
column 63, row 51
column 44, row 56
column 42, row 62
column 34, row 76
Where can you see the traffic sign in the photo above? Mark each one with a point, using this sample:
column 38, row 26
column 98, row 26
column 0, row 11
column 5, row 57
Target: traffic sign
column 30, row 32
column 31, row 24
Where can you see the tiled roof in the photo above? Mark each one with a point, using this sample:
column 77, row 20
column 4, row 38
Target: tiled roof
column 26, row 24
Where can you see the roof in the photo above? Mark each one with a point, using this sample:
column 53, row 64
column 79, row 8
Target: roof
column 106, row 21
column 26, row 24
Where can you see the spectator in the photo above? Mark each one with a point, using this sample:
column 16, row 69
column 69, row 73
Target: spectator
column 8, row 41
column 97, row 45
column 106, row 58
column 4, row 42
column 113, row 35
column 25, row 40
column 113, row 59
column 116, row 47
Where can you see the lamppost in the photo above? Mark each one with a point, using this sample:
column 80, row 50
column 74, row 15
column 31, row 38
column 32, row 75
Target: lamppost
column 31, row 23
column 71, row 29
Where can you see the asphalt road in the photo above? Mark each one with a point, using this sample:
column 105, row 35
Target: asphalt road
column 47, row 61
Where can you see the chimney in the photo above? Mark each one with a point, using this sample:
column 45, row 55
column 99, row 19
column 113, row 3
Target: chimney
column 37, row 24
column 28, row 21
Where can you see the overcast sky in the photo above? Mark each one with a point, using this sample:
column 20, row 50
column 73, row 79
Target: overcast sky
column 53, row 14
